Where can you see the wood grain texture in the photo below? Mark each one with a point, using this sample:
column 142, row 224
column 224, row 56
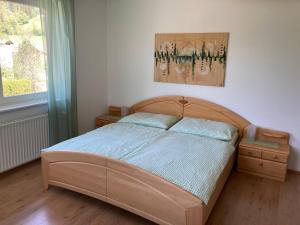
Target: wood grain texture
column 82, row 175
column 106, row 119
column 250, row 152
column 114, row 114
column 265, row 161
column 192, row 107
column 275, row 156
column 252, row 200
column 141, row 198
column 132, row 188
column 245, row 199
column 200, row 108
column 127, row 186
column 262, row 167
column 170, row 105
column 115, row 111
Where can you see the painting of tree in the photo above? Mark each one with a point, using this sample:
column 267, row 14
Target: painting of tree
column 197, row 58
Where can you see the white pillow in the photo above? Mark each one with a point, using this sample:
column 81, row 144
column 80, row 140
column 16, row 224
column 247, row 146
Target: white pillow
column 207, row 128
column 151, row 119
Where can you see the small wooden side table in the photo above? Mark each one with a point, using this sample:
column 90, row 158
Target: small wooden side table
column 114, row 114
column 267, row 156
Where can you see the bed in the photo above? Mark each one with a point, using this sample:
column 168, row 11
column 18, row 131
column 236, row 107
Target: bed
column 125, row 183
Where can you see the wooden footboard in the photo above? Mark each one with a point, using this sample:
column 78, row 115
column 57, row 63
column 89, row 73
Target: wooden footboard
column 128, row 187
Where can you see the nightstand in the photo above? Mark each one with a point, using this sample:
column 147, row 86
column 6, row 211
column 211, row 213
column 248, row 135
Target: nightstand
column 114, row 114
column 267, row 156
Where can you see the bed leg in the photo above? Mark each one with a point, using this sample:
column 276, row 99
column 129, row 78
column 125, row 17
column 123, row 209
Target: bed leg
column 45, row 174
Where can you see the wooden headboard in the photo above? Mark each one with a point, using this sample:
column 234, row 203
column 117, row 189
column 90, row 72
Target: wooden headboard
column 165, row 105
column 193, row 107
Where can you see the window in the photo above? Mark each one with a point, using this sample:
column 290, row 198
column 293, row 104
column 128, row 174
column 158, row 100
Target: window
column 22, row 53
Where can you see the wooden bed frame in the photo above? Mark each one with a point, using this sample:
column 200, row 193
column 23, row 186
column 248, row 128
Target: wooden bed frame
column 135, row 189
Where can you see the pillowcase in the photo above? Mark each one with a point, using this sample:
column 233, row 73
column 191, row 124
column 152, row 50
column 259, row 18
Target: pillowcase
column 206, row 128
column 151, row 119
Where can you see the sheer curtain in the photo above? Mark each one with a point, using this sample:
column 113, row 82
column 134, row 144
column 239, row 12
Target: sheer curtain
column 58, row 21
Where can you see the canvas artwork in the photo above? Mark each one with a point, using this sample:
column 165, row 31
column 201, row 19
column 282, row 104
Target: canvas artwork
column 196, row 58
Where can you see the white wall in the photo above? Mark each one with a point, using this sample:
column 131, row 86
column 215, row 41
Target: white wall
column 262, row 76
column 90, row 35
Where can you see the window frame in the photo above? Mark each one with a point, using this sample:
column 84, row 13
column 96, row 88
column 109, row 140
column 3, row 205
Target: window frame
column 25, row 98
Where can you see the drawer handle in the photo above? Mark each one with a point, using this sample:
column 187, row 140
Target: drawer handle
column 275, row 157
column 249, row 153
column 280, row 136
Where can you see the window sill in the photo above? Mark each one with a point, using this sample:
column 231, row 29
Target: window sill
column 23, row 105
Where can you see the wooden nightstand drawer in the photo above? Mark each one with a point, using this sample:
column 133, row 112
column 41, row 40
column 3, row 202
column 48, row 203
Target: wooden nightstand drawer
column 100, row 123
column 275, row 157
column 106, row 119
column 250, row 152
column 114, row 114
column 249, row 164
column 274, row 168
column 262, row 167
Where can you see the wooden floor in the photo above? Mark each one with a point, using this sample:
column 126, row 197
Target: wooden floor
column 245, row 200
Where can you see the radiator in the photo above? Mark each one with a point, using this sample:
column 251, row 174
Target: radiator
column 21, row 141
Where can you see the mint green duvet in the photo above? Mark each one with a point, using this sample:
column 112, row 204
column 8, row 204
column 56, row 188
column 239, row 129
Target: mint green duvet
column 192, row 162
column 116, row 140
